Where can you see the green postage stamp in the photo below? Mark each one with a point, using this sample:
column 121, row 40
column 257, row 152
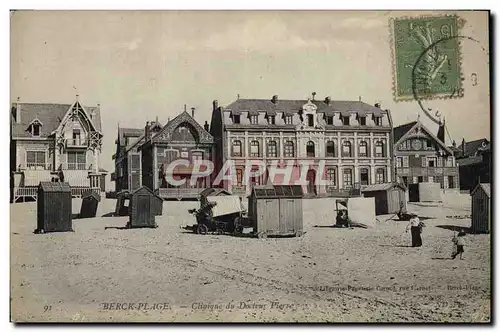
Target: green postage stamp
column 426, row 57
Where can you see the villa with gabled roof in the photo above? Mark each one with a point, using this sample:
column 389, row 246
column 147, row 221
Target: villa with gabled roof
column 55, row 142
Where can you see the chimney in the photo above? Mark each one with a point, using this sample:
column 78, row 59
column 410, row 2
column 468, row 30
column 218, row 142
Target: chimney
column 147, row 132
column 454, row 144
column 327, row 100
column 275, row 99
column 206, row 126
column 313, row 95
column 215, row 104
column 18, row 110
column 359, row 98
column 377, row 105
column 440, row 133
column 77, row 97
column 192, row 112
column 463, row 147
column 185, row 108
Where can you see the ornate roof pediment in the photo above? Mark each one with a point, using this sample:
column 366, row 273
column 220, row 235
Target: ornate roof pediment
column 165, row 134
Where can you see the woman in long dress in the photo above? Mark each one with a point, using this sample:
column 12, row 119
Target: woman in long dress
column 416, row 230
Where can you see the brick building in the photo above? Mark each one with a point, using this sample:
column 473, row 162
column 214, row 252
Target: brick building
column 352, row 137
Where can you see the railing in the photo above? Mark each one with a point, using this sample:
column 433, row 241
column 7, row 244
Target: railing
column 76, row 166
column 179, row 193
column 77, row 142
column 239, row 190
column 79, row 191
column 25, row 191
column 33, row 191
column 38, row 166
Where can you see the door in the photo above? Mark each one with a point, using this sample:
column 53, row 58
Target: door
column 287, row 216
column 143, row 209
column 363, row 177
column 268, row 215
column 311, row 182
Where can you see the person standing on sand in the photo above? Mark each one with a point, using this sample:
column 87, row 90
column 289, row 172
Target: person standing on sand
column 416, row 229
column 459, row 242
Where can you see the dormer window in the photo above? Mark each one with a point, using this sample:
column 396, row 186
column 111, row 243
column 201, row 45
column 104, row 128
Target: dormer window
column 288, row 119
column 377, row 120
column 271, row 119
column 345, row 120
column 236, row 118
column 35, row 127
column 362, row 121
column 253, row 119
column 310, row 120
column 329, row 120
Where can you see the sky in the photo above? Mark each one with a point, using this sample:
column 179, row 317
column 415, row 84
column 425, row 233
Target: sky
column 140, row 65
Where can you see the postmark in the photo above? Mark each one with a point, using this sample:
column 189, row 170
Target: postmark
column 418, row 57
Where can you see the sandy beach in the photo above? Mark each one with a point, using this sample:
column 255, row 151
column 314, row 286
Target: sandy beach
column 103, row 274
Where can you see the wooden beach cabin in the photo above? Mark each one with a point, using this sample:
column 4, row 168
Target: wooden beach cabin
column 481, row 208
column 389, row 197
column 54, row 207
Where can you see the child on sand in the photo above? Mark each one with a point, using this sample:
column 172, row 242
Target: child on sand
column 459, row 242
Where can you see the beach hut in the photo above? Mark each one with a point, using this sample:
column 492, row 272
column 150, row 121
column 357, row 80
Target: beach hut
column 90, row 202
column 276, row 210
column 481, row 208
column 143, row 208
column 158, row 204
column 122, row 203
column 54, row 207
column 389, row 197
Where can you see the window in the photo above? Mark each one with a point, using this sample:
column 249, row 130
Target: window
column 430, row 179
column 331, row 176
column 345, row 120
column 347, row 178
column 420, row 179
column 310, row 120
column 237, row 148
column 239, row 176
column 406, row 161
column 170, row 156
column 380, row 175
column 272, row 149
column 449, row 161
column 362, row 121
column 135, row 162
column 431, row 162
column 364, row 177
column 451, row 182
column 35, row 160
column 363, row 149
column 346, row 149
column 288, row 119
column 379, row 149
column 77, row 160
column 289, row 149
column 254, row 119
column 196, row 155
column 377, row 120
column 254, row 149
column 329, row 120
column 399, row 162
column 77, row 137
column 310, row 149
column 236, row 118
column 35, row 128
column 330, row 149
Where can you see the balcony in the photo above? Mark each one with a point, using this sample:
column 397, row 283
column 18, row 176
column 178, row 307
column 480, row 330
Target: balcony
column 77, row 143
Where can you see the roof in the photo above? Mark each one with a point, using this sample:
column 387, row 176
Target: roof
column 399, row 131
column 485, row 187
column 128, row 132
column 470, row 161
column 278, row 191
column 55, row 187
column 91, row 193
column 473, row 146
column 382, row 187
column 287, row 105
column 102, row 170
column 50, row 115
column 214, row 192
